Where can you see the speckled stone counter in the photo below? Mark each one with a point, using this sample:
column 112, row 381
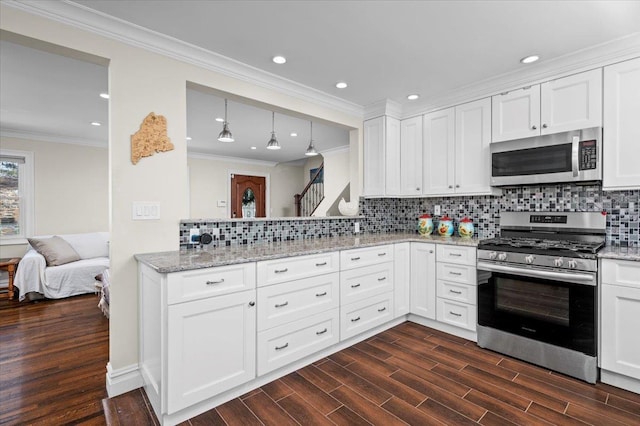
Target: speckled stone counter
column 620, row 253
column 188, row 259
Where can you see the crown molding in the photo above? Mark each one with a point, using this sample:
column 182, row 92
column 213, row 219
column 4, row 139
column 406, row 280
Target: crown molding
column 597, row 56
column 82, row 17
column 383, row 107
column 47, row 137
column 211, row 157
column 335, row 150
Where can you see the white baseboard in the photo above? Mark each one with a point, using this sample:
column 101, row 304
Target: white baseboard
column 123, row 380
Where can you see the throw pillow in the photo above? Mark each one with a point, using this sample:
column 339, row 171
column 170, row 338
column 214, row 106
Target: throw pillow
column 55, row 250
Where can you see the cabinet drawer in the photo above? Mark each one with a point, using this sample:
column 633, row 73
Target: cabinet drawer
column 365, row 314
column 294, row 268
column 282, row 345
column 456, row 313
column 200, row 283
column 621, row 272
column 361, row 283
column 458, row 273
column 458, row 292
column 282, row 303
column 456, row 254
column 365, row 256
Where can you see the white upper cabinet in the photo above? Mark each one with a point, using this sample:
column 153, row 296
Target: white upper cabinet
column 516, row 114
column 410, row 165
column 381, row 149
column 569, row 103
column 472, row 152
column 438, row 152
column 621, row 145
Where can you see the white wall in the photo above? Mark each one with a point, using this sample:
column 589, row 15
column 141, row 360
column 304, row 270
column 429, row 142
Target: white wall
column 336, row 177
column 71, row 185
column 141, row 82
column 208, row 181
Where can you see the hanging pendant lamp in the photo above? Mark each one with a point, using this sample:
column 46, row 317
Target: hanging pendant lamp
column 225, row 135
column 311, row 150
column 273, row 142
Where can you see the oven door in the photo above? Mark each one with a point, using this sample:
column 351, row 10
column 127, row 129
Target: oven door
column 556, row 312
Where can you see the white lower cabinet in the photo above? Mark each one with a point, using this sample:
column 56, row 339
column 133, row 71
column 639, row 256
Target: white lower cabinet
column 619, row 324
column 210, row 347
column 360, row 283
column 401, row 279
column 457, row 313
column 423, row 280
column 366, row 314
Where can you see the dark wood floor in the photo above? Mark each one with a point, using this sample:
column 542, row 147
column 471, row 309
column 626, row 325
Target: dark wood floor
column 53, row 355
column 420, row 376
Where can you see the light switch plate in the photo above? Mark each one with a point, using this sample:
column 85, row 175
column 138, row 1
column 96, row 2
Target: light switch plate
column 222, row 203
column 145, row 210
column 436, row 210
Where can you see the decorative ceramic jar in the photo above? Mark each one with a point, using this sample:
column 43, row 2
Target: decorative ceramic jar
column 425, row 224
column 445, row 226
column 465, row 229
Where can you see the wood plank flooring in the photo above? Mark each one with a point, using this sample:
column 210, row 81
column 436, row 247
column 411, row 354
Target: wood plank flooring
column 53, row 357
column 419, row 376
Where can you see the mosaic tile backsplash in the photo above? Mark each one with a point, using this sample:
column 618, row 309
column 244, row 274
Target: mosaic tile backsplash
column 400, row 214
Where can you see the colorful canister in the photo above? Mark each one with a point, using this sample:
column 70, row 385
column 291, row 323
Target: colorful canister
column 445, row 226
column 465, row 229
column 425, row 224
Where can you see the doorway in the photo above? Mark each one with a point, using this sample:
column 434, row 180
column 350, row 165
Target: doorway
column 248, row 196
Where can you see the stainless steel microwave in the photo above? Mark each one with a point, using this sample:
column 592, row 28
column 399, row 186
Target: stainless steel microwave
column 574, row 156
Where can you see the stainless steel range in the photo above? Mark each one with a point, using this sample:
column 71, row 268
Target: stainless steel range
column 537, row 290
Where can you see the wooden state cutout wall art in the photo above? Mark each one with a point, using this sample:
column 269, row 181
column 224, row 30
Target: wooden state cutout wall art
column 151, row 138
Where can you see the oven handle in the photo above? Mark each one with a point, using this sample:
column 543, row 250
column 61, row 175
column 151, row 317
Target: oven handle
column 575, row 155
column 588, row 279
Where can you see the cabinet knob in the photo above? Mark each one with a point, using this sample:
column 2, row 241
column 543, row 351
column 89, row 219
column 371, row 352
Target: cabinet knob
column 417, row 189
column 431, row 251
column 544, row 126
column 252, row 303
column 534, row 127
column 450, row 186
column 457, row 186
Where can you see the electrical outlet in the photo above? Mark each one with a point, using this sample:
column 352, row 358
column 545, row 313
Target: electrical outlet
column 356, row 227
column 436, row 210
column 215, row 232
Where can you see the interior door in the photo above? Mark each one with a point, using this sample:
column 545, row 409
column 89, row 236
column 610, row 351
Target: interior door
column 248, row 196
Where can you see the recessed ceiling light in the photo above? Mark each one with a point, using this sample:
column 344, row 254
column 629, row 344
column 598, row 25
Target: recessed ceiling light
column 95, row 123
column 220, row 119
column 294, row 134
column 188, row 138
column 413, row 97
column 104, row 95
column 279, row 60
column 529, row 59
column 341, row 85
column 253, row 147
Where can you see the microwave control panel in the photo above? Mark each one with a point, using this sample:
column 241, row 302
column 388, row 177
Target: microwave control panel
column 588, row 155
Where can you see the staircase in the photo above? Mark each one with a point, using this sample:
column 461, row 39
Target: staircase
column 312, row 195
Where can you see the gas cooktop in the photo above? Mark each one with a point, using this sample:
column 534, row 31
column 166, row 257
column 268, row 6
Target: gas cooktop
column 567, row 248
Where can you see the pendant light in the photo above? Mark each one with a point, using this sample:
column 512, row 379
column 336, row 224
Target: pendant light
column 311, row 150
column 273, row 142
column 225, row 135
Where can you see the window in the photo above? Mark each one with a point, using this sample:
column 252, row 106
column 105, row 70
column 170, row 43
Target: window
column 16, row 196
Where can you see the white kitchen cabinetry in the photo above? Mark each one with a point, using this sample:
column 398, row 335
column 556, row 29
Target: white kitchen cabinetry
column 423, row 280
column 569, row 103
column 401, row 278
column 620, row 322
column 456, row 286
column 410, row 165
column 381, row 147
column 456, row 150
column 621, row 147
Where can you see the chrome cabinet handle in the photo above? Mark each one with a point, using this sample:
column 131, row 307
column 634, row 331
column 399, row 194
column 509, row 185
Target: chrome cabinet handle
column 382, row 254
column 321, row 294
column 382, row 278
column 215, row 282
column 534, row 128
column 455, row 273
column 278, row 348
column 279, row 271
column 355, row 319
column 321, row 332
column 355, row 285
column 281, row 305
column 382, row 309
column 321, row 264
column 455, row 291
column 355, row 258
column 455, row 314
column 455, row 254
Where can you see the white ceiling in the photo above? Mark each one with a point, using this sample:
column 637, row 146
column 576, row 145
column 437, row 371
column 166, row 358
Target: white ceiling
column 382, row 49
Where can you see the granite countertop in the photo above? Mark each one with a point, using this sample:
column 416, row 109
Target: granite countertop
column 620, row 253
column 189, row 259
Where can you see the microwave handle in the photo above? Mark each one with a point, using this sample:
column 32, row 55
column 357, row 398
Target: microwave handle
column 575, row 155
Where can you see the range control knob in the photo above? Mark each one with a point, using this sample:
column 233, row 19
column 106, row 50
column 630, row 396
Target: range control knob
column 529, row 259
column 492, row 255
column 502, row 256
column 558, row 262
column 573, row 264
